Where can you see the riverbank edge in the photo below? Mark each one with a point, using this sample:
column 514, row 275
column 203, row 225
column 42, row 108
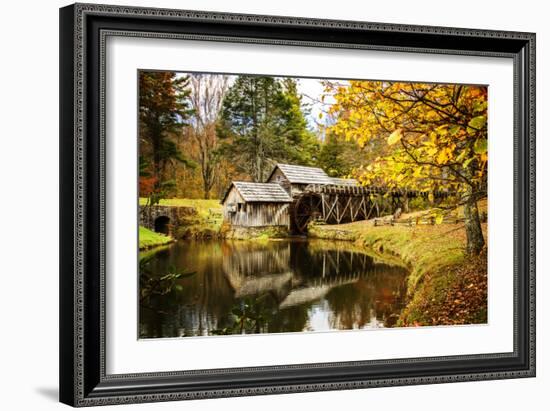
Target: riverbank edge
column 228, row 232
column 149, row 239
column 433, row 269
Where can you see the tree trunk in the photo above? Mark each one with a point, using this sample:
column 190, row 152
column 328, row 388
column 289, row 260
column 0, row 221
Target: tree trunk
column 474, row 235
column 206, row 175
column 405, row 203
column 155, row 145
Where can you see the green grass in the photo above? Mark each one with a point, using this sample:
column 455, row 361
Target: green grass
column 202, row 206
column 425, row 249
column 207, row 219
column 148, row 238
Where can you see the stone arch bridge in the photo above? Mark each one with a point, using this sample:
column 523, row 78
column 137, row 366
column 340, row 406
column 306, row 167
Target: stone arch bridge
column 164, row 219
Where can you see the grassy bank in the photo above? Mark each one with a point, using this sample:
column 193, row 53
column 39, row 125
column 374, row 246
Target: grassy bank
column 148, row 238
column 204, row 221
column 444, row 287
column 197, row 203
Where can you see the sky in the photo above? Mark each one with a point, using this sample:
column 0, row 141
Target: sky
column 311, row 91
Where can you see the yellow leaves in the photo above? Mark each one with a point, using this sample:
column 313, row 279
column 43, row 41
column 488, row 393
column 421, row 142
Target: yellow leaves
column 432, row 115
column 361, row 140
column 445, row 154
column 431, row 151
column 462, row 155
column 476, row 124
column 442, row 157
column 398, row 166
column 480, row 106
column 454, row 129
column 480, row 146
column 440, row 129
column 476, row 92
column 394, row 137
column 466, row 163
column 417, row 172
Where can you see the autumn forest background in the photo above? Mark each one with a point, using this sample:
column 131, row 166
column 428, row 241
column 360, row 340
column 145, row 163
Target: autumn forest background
column 198, row 132
column 201, row 131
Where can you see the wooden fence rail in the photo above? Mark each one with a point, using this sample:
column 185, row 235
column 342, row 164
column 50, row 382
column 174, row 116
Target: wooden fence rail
column 412, row 221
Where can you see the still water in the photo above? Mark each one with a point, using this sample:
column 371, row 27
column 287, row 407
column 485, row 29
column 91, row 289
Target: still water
column 197, row 288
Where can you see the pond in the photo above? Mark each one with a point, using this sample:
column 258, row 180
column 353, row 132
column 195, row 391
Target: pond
column 199, row 288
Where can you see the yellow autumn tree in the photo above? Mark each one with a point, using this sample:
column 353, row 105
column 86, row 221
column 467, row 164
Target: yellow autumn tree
column 434, row 139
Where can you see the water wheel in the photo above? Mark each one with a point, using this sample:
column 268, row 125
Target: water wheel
column 307, row 208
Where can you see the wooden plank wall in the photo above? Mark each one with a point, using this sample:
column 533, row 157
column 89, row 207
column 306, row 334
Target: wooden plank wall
column 260, row 215
column 255, row 214
column 279, row 177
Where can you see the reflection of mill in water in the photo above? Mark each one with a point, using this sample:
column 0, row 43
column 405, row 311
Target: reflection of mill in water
column 294, row 275
column 269, row 287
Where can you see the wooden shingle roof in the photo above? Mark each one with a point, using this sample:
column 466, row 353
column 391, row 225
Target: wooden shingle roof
column 344, row 181
column 303, row 174
column 261, row 192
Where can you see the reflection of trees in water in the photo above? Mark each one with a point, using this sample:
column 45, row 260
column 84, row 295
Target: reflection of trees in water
column 374, row 298
column 195, row 307
column 290, row 319
column 248, row 287
column 261, row 314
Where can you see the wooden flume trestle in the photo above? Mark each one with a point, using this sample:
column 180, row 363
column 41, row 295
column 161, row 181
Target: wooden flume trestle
column 338, row 204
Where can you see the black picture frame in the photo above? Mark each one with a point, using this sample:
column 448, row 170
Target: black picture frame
column 83, row 29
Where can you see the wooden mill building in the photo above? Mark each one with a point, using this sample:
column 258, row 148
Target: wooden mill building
column 256, row 205
column 292, row 196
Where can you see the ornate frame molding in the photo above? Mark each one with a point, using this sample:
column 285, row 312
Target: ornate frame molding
column 82, row 317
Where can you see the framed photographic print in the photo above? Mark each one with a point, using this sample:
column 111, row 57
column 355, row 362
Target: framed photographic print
column 262, row 204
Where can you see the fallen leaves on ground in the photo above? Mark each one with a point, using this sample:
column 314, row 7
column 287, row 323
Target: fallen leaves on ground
column 464, row 301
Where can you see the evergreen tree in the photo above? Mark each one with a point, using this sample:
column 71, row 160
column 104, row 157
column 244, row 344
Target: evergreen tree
column 339, row 157
column 300, row 144
column 330, row 158
column 164, row 109
column 262, row 123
